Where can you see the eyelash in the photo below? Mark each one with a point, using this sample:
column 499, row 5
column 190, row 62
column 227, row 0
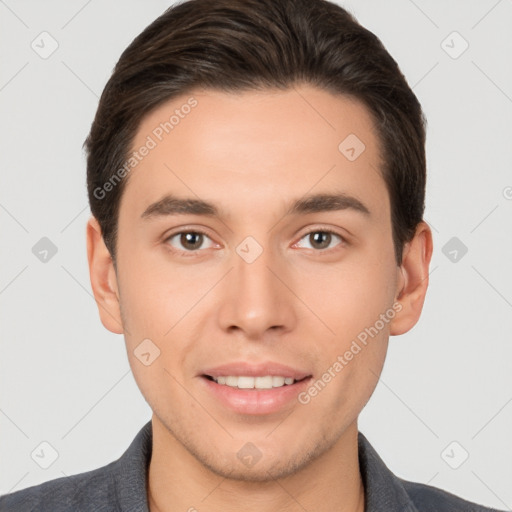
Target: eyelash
column 196, row 253
column 343, row 241
column 186, row 254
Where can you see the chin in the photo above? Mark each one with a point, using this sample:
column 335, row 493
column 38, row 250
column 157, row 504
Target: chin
column 261, row 472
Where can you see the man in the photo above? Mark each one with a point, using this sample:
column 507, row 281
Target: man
column 256, row 175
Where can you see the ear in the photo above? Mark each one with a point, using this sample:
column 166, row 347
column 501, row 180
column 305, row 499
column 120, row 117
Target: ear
column 103, row 278
column 413, row 280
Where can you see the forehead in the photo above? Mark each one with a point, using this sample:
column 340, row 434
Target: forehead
column 249, row 148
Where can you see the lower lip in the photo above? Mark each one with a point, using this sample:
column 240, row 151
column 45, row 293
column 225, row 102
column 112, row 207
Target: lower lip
column 256, row 401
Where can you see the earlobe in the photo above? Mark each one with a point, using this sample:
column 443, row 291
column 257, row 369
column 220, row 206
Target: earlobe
column 413, row 280
column 103, row 278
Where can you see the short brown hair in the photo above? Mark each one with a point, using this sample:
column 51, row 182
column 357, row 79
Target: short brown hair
column 231, row 46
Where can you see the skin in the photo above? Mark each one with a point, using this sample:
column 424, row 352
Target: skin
column 252, row 154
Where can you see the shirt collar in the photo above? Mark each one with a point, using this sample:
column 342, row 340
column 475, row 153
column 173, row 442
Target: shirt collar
column 383, row 490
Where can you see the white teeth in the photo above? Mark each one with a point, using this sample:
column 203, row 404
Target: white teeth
column 246, row 382
column 277, row 382
column 263, row 382
column 232, row 381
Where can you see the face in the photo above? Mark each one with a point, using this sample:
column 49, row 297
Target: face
column 251, row 244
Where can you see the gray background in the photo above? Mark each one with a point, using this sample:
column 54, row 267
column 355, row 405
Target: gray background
column 66, row 380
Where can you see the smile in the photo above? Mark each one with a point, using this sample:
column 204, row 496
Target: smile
column 248, row 382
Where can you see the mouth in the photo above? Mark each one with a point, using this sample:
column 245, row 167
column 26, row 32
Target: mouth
column 256, row 390
column 248, row 382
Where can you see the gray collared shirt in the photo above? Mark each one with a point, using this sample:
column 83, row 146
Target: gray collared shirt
column 121, row 486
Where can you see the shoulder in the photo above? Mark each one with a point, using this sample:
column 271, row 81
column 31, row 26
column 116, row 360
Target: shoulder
column 120, row 485
column 386, row 491
column 427, row 498
column 92, row 490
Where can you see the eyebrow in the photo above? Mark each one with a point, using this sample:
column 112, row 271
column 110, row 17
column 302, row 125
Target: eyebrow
column 315, row 203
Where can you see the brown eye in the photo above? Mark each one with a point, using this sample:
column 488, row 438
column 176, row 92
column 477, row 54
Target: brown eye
column 191, row 241
column 321, row 239
column 188, row 241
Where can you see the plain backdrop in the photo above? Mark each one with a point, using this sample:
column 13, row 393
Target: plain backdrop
column 446, row 388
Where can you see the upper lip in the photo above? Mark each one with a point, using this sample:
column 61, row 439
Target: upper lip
column 241, row 368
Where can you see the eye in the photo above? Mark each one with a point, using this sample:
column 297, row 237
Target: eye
column 190, row 241
column 321, row 239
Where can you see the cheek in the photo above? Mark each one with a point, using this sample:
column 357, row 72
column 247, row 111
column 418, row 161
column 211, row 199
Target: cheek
column 155, row 294
column 161, row 304
column 351, row 302
column 350, row 298
column 348, row 376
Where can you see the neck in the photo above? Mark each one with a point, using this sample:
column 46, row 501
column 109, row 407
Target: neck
column 177, row 481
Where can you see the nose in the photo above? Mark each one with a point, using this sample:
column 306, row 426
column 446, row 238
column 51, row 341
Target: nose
column 257, row 298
